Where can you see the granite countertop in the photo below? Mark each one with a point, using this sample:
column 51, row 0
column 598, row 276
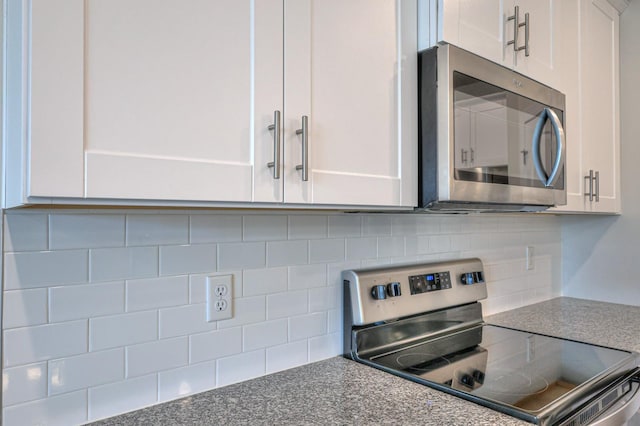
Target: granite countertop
column 601, row 323
column 338, row 391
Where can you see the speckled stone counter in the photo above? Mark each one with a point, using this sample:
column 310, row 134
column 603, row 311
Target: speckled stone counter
column 341, row 392
column 331, row 392
column 605, row 324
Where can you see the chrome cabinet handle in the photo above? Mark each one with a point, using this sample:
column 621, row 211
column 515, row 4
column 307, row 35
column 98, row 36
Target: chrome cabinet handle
column 516, row 25
column 473, row 159
column 597, row 194
column 548, row 179
column 590, row 179
column 304, row 131
column 526, row 35
column 516, row 28
column 276, row 145
column 463, row 156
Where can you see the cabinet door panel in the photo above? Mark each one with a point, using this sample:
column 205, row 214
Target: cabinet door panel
column 346, row 72
column 170, row 92
column 540, row 64
column 600, row 99
column 476, row 26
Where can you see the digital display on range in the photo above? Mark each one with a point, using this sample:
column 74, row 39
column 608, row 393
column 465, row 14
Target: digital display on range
column 429, row 282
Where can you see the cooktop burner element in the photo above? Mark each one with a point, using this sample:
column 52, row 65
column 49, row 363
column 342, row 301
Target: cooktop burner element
column 431, row 331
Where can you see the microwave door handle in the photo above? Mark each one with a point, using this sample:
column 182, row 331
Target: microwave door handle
column 560, row 147
column 548, row 179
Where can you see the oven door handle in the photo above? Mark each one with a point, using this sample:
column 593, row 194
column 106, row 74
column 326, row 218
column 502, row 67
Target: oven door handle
column 548, row 179
column 622, row 411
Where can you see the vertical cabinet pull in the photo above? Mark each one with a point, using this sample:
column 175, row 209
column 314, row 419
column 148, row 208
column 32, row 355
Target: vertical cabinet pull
column 304, row 131
column 473, row 157
column 594, row 182
column 275, row 164
column 463, row 156
column 516, row 28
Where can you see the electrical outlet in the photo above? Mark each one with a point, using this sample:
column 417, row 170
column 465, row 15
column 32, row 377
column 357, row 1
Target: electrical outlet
column 219, row 297
column 530, row 254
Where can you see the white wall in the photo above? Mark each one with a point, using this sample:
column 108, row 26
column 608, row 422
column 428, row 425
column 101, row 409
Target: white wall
column 601, row 254
column 105, row 311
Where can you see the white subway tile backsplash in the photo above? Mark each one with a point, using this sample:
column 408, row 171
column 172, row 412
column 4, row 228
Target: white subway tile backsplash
column 264, row 281
column 76, row 302
column 404, row 225
column 439, row 243
column 122, row 330
column 184, row 320
column 390, row 246
column 156, row 356
column 307, row 276
column 417, row 245
column 362, row 248
column 60, row 410
column 233, row 256
column 185, row 381
column 154, row 293
column 119, row 300
column 215, row 344
column 43, row 342
column 186, row 259
column 321, row 299
column 265, row 227
column 376, row 225
column 323, row 347
column 282, row 253
column 287, row 356
column 123, row 263
column 307, row 227
column 120, row 397
column 324, row 251
column 240, row 367
column 305, row 326
column 269, row 333
column 73, row 231
column 246, row 310
column 147, row 229
column 54, row 267
column 24, row 383
column 345, row 226
column 23, row 308
column 25, row 232
column 215, row 229
column 83, row 371
column 286, row 304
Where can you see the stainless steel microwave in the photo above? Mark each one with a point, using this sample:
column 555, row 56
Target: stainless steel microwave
column 489, row 138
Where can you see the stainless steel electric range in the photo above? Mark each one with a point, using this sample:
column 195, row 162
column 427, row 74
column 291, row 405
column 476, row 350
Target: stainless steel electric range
column 424, row 323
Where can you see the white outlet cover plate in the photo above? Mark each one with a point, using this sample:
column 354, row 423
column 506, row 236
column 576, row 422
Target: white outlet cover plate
column 213, row 282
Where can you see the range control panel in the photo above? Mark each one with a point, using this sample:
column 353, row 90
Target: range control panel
column 380, row 294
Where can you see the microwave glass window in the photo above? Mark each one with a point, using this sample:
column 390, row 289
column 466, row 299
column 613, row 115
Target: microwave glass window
column 493, row 135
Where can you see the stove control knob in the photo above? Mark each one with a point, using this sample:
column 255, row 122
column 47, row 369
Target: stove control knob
column 393, row 289
column 472, row 277
column 467, row 380
column 379, row 292
column 467, row 278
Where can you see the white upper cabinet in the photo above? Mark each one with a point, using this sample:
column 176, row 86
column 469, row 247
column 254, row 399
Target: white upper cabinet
column 350, row 69
column 172, row 103
column 487, row 28
column 592, row 122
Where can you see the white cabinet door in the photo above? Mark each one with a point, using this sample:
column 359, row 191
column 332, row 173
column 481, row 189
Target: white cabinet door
column 600, row 100
column 154, row 99
column 473, row 25
column 590, row 83
column 350, row 67
column 544, row 35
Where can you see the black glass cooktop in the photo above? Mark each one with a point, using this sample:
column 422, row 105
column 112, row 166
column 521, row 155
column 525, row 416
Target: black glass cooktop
column 523, row 370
